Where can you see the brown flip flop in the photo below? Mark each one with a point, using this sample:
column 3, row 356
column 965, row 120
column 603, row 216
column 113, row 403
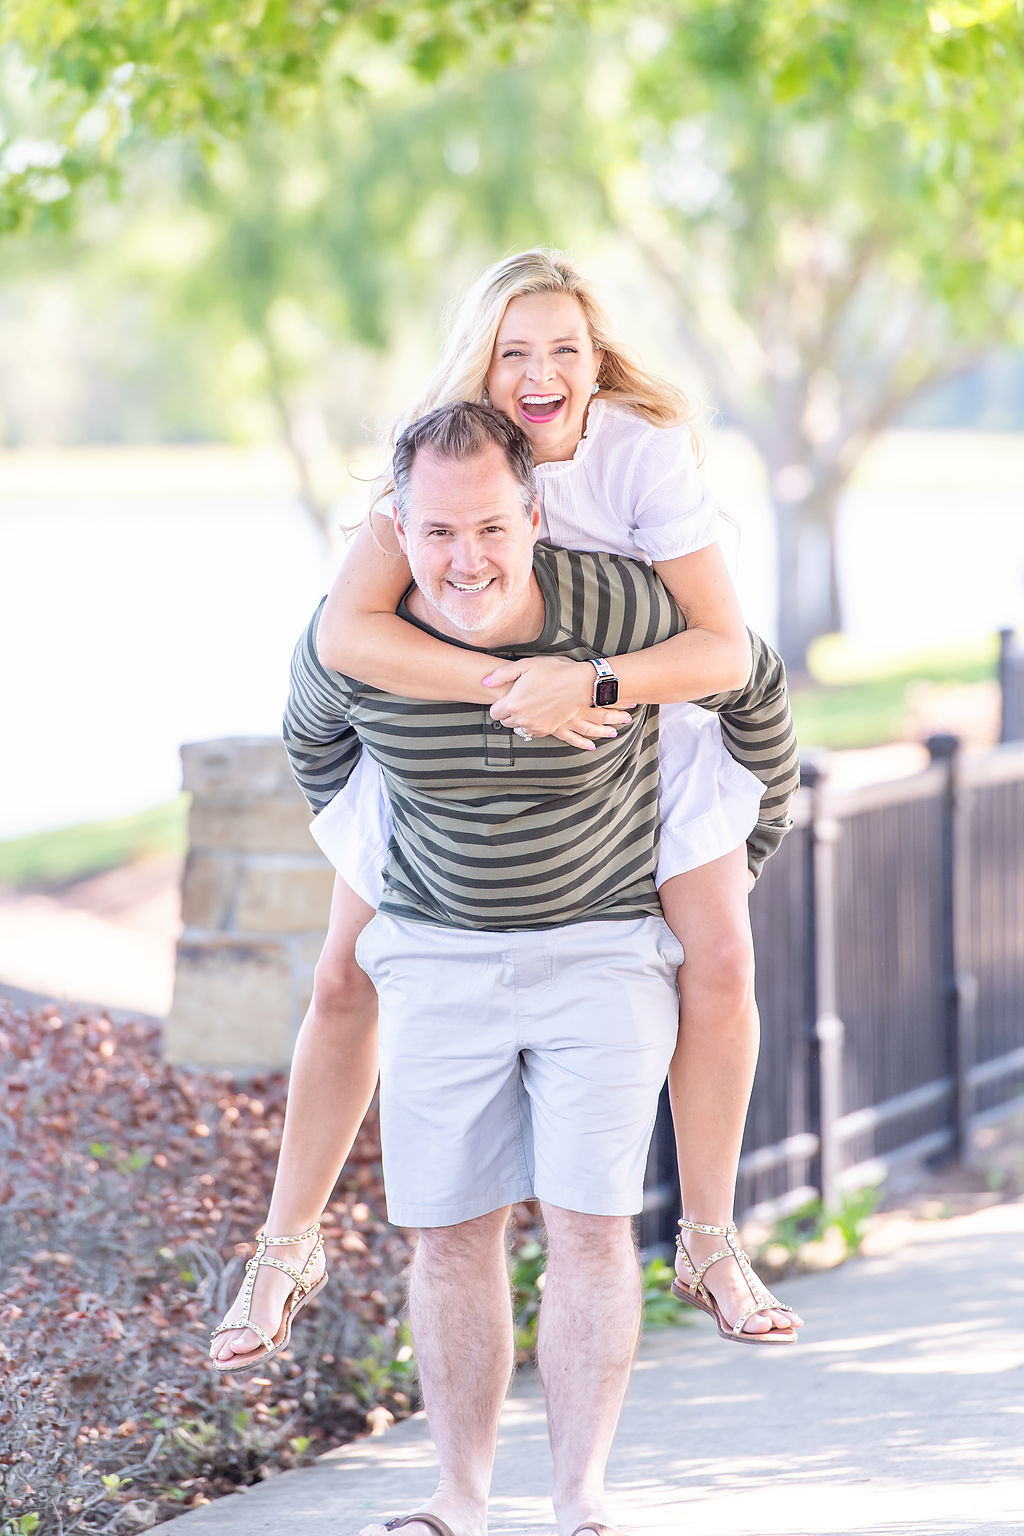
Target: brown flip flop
column 434, row 1521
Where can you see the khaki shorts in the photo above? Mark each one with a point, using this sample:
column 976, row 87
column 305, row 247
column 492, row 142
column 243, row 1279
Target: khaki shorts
column 515, row 1065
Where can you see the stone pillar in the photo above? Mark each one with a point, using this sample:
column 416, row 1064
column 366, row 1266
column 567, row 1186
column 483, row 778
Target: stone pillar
column 255, row 902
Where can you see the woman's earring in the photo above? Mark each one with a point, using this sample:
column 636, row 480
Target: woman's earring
column 596, row 389
column 487, row 396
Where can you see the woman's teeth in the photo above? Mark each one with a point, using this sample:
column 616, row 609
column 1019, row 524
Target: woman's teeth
column 541, row 407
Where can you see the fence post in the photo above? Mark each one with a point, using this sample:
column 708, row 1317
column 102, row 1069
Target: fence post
column 1011, row 687
column 826, row 1027
column 959, row 988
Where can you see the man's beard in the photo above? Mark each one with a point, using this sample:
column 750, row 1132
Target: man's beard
column 470, row 616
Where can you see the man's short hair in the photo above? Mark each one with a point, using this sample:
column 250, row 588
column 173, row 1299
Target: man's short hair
column 460, row 431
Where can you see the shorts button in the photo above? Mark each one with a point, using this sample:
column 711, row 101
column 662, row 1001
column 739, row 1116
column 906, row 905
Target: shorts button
column 496, row 725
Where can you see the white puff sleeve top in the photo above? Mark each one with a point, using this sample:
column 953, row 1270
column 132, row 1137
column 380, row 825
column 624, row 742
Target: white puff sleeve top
column 630, row 488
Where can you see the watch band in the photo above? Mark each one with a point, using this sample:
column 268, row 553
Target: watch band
column 606, row 684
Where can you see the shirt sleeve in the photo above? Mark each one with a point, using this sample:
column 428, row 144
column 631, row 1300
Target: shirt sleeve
column 757, row 728
column 673, row 514
column 320, row 740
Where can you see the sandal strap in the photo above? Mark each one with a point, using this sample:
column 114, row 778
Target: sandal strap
column 772, row 1304
column 762, row 1298
column 703, row 1226
column 441, row 1527
column 300, row 1279
column 300, row 1237
column 249, row 1322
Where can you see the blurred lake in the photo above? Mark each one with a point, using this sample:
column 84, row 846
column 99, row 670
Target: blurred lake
column 152, row 597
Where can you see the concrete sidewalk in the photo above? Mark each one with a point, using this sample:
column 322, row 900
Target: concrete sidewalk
column 900, row 1413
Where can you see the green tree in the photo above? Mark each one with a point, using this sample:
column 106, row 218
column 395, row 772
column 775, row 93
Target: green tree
column 80, row 78
column 829, row 195
column 832, row 195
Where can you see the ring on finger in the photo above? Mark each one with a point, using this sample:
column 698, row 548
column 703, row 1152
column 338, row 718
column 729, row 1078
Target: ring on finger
column 520, row 732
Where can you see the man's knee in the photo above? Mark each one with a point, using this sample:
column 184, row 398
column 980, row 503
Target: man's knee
column 578, row 1234
column 464, row 1239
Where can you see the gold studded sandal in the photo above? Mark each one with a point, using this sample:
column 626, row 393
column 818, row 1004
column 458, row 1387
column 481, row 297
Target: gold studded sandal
column 696, row 1293
column 304, row 1290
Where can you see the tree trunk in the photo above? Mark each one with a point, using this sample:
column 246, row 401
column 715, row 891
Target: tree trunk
column 807, row 582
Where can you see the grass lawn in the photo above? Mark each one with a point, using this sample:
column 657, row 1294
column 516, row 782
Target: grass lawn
column 71, row 853
column 864, row 702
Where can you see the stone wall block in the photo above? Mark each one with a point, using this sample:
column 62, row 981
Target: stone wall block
column 232, row 1003
column 256, row 901
column 254, row 766
column 208, row 889
column 284, row 895
column 251, row 826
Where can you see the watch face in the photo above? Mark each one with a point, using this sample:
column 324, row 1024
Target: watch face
column 606, row 692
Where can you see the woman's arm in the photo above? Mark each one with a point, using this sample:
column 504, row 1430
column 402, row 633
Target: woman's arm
column 362, row 636
column 712, row 655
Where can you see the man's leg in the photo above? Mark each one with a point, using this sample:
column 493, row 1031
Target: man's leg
column 461, row 1315
column 589, row 1328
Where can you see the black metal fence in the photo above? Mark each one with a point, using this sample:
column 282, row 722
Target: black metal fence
column 889, row 932
column 1011, row 684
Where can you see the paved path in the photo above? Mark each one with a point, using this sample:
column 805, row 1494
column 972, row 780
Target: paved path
column 901, row 1413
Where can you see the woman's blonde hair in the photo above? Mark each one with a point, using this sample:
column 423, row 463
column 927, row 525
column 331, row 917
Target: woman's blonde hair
column 472, row 329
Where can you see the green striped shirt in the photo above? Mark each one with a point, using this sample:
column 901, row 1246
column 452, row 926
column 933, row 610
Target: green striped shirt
column 490, row 831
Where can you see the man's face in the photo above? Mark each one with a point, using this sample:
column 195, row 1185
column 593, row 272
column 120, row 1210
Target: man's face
column 470, row 547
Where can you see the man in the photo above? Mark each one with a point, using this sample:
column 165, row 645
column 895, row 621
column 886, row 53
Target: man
column 526, row 978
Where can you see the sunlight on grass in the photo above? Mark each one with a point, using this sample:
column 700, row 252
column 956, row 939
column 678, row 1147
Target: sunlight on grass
column 69, row 853
column 861, row 697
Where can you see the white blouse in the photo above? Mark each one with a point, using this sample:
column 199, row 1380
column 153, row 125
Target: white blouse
column 630, row 488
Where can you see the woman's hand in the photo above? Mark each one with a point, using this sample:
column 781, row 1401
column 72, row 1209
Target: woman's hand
column 544, row 692
column 551, row 696
column 589, row 725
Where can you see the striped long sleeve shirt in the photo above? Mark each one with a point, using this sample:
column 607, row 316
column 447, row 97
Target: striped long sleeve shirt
column 493, row 832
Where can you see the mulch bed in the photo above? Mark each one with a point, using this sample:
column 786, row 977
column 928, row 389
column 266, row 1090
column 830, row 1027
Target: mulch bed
column 129, row 1195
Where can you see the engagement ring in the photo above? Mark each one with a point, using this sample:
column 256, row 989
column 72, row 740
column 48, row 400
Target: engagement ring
column 520, row 732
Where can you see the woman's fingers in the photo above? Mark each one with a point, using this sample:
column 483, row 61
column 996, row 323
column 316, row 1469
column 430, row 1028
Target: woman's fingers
column 503, row 676
column 574, row 739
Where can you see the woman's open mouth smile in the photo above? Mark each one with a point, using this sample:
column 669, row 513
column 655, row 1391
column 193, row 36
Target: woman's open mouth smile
column 540, row 408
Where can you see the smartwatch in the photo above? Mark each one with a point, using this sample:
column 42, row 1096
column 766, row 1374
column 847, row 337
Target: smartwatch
column 606, row 684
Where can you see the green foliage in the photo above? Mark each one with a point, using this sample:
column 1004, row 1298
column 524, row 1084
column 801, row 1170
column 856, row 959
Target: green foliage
column 389, row 1367
column 103, row 75
column 529, row 1268
column 661, row 1309
column 853, row 1215
column 71, row 853
column 804, row 1225
column 24, row 1525
column 850, row 1218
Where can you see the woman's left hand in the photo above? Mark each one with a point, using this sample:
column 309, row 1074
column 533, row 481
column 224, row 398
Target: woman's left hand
column 545, row 692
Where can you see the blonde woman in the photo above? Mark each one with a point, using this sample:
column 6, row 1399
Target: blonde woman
column 617, row 471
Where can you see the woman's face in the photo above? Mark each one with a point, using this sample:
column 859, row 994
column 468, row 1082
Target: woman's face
column 543, row 371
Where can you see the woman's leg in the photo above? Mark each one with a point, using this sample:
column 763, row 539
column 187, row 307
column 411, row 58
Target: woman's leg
column 712, row 1070
column 333, row 1075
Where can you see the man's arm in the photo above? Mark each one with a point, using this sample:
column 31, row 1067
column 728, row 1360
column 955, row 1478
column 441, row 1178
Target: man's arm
column 321, row 743
column 757, row 727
